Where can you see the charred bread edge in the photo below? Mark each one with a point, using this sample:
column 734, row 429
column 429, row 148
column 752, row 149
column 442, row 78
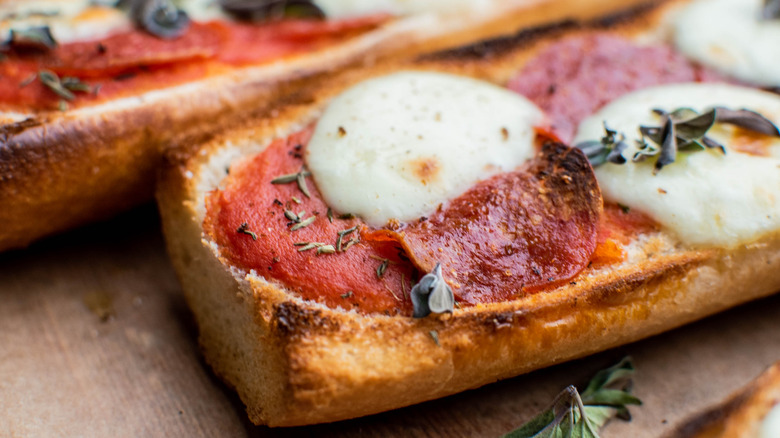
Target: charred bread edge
column 61, row 170
column 740, row 415
column 295, row 362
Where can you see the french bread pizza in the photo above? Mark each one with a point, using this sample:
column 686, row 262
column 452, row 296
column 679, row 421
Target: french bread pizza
column 91, row 91
column 753, row 412
column 403, row 232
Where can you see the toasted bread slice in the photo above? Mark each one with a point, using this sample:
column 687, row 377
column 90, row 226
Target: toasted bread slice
column 741, row 415
column 296, row 362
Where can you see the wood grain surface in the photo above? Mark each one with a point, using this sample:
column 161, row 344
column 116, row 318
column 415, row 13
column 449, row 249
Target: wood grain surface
column 96, row 340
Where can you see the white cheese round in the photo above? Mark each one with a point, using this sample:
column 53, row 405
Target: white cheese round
column 352, row 8
column 397, row 146
column 705, row 197
column 729, row 36
column 770, row 428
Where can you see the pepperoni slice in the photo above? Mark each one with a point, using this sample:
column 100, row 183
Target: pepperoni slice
column 515, row 233
column 252, row 43
column 125, row 51
column 572, row 78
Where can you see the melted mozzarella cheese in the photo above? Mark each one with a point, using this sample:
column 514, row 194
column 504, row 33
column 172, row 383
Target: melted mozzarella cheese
column 395, row 147
column 770, row 427
column 729, row 36
column 705, row 197
column 351, row 8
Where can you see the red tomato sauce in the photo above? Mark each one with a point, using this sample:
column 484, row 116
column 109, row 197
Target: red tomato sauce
column 347, row 279
column 619, row 226
column 133, row 62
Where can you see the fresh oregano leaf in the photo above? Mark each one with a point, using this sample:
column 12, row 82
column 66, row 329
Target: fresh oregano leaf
column 573, row 416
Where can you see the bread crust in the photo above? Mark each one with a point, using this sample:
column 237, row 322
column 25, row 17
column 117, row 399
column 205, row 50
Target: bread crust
column 741, row 415
column 61, row 170
column 296, row 362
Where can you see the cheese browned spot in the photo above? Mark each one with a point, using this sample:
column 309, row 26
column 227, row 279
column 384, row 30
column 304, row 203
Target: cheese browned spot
column 514, row 233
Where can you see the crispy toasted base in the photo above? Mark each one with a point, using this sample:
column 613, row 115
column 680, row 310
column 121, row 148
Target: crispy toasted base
column 741, row 415
column 296, row 362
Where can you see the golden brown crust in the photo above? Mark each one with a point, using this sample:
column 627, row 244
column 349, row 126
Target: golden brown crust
column 741, row 415
column 295, row 362
column 66, row 169
column 60, row 171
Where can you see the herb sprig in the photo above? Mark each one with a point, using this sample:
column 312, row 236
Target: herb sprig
column 298, row 178
column 575, row 415
column 63, row 88
column 682, row 130
column 609, row 149
column 340, row 246
column 244, row 228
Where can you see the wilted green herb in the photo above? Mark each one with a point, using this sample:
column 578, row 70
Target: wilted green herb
column 572, row 415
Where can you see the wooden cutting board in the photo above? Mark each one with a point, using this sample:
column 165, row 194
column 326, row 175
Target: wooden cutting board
column 96, row 341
